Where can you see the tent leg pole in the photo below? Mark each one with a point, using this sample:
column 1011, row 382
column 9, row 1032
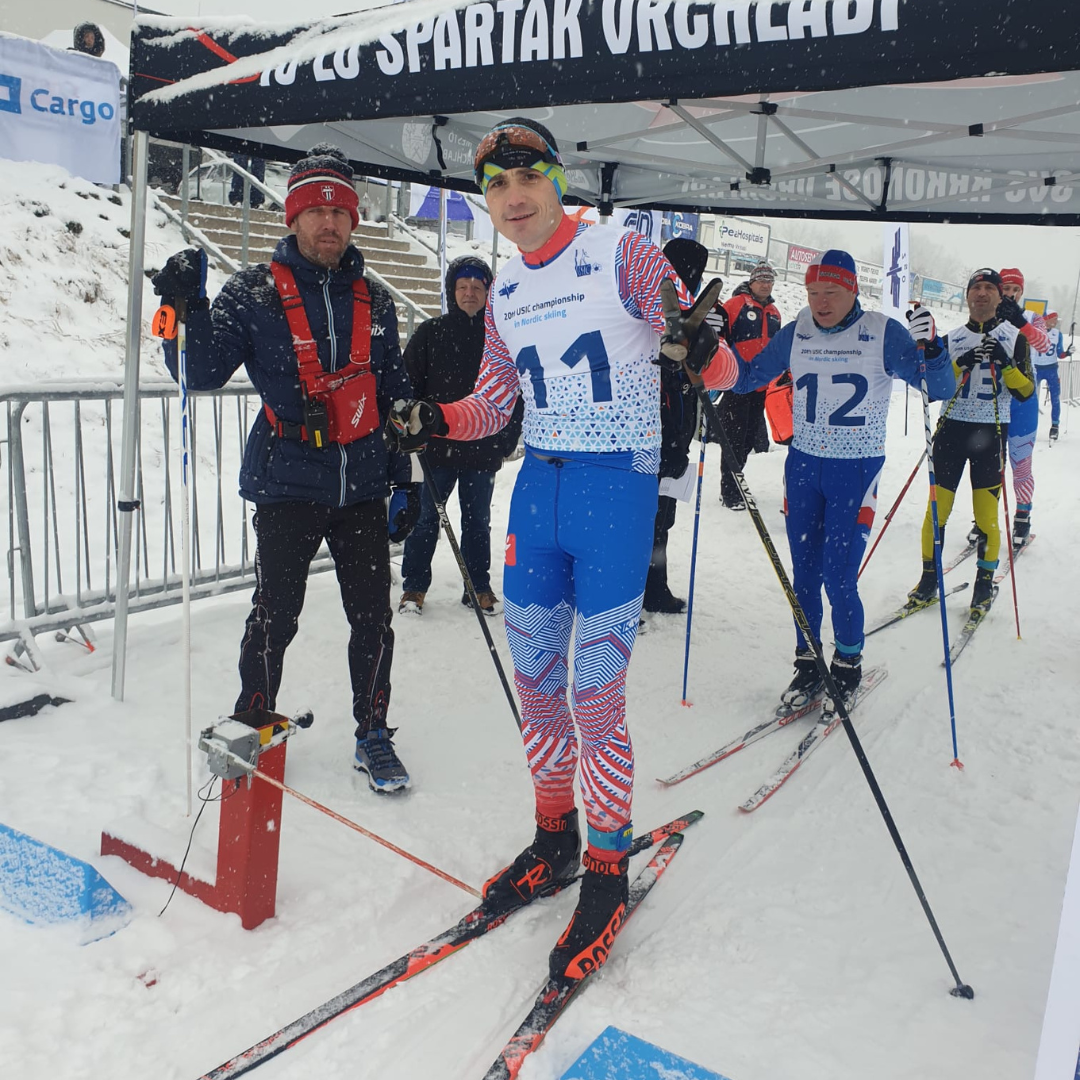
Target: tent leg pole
column 442, row 247
column 126, row 504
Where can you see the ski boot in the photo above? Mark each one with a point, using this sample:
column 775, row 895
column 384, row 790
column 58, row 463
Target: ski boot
column 546, row 865
column 411, row 603
column 926, row 590
column 1053, row 432
column 846, row 672
column 376, row 756
column 600, row 913
column 982, row 596
column 1021, row 527
column 976, row 535
column 662, row 601
column 807, row 681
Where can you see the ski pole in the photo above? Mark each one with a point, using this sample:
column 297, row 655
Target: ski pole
column 914, row 473
column 444, row 520
column 702, row 431
column 1002, row 457
column 938, row 569
column 961, row 989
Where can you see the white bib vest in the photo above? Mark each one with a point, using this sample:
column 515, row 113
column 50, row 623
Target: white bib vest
column 841, row 386
column 586, row 365
column 975, row 403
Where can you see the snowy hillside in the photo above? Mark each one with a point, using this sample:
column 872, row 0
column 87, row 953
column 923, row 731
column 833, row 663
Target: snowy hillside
column 784, row 945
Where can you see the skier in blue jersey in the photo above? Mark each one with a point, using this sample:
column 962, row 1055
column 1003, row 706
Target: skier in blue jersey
column 843, row 361
column 574, row 327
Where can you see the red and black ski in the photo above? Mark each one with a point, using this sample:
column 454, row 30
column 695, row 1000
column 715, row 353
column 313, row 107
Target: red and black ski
column 475, row 924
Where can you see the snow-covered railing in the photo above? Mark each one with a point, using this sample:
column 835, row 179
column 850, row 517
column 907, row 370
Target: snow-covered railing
column 59, row 454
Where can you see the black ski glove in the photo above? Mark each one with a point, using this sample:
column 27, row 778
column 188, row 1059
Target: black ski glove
column 411, row 424
column 991, row 351
column 404, row 512
column 683, row 329
column 183, row 277
column 1010, row 311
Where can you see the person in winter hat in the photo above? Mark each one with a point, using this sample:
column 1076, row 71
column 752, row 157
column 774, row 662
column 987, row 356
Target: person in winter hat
column 320, row 344
column 753, row 321
column 88, row 38
column 1024, row 418
column 843, row 361
column 678, row 423
column 442, row 359
column 574, row 324
column 994, row 357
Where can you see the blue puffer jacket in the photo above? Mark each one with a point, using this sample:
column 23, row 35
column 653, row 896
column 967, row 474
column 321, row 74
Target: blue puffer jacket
column 246, row 326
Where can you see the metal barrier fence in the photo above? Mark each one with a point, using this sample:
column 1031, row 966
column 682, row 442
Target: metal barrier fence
column 59, row 451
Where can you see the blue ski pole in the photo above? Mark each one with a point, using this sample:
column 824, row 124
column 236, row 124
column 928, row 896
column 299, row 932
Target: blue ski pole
column 693, row 560
column 937, row 547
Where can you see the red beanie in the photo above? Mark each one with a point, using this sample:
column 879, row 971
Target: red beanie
column 1012, row 276
column 834, row 267
column 323, row 178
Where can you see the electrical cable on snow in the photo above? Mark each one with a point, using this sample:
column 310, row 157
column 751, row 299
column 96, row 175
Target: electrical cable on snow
column 363, row 832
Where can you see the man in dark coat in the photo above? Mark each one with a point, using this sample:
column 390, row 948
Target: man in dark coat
column 443, row 359
column 320, row 345
column 754, row 320
column 678, row 423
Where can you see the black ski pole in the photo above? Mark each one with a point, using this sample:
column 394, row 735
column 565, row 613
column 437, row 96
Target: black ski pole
column 444, row 520
column 961, row 989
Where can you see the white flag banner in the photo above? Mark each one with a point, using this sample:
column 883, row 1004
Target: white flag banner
column 59, row 107
column 896, row 266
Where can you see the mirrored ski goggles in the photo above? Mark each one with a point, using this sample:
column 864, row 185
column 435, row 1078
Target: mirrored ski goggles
column 553, row 172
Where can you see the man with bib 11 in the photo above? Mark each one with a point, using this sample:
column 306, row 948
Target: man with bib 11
column 574, row 326
column 843, row 361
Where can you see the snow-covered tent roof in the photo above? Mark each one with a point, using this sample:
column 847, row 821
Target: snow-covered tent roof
column 923, row 110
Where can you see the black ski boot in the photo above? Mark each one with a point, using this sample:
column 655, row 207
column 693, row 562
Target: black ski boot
column 976, row 535
column 982, row 596
column 549, row 862
column 807, row 681
column 846, row 672
column 1021, row 527
column 662, row 601
column 926, row 590
column 1053, row 432
column 601, row 910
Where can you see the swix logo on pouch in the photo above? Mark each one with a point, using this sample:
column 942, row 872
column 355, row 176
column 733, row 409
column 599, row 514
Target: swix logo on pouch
column 508, row 289
column 359, row 411
column 377, row 329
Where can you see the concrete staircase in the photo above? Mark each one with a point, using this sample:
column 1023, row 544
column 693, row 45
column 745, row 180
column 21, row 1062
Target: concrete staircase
column 404, row 264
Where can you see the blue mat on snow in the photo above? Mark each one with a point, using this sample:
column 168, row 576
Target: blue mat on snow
column 42, row 884
column 615, row 1055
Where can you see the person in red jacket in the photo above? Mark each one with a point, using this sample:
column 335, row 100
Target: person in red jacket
column 753, row 320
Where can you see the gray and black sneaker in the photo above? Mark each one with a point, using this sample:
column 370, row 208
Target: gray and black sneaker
column 376, row 756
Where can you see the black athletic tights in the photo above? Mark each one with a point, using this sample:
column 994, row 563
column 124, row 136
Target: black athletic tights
column 288, row 535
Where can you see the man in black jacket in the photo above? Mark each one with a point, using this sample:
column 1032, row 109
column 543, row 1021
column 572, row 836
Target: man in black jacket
column 443, row 359
column 320, row 344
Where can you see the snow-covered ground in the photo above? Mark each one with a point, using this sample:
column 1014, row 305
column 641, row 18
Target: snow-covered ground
column 785, row 945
